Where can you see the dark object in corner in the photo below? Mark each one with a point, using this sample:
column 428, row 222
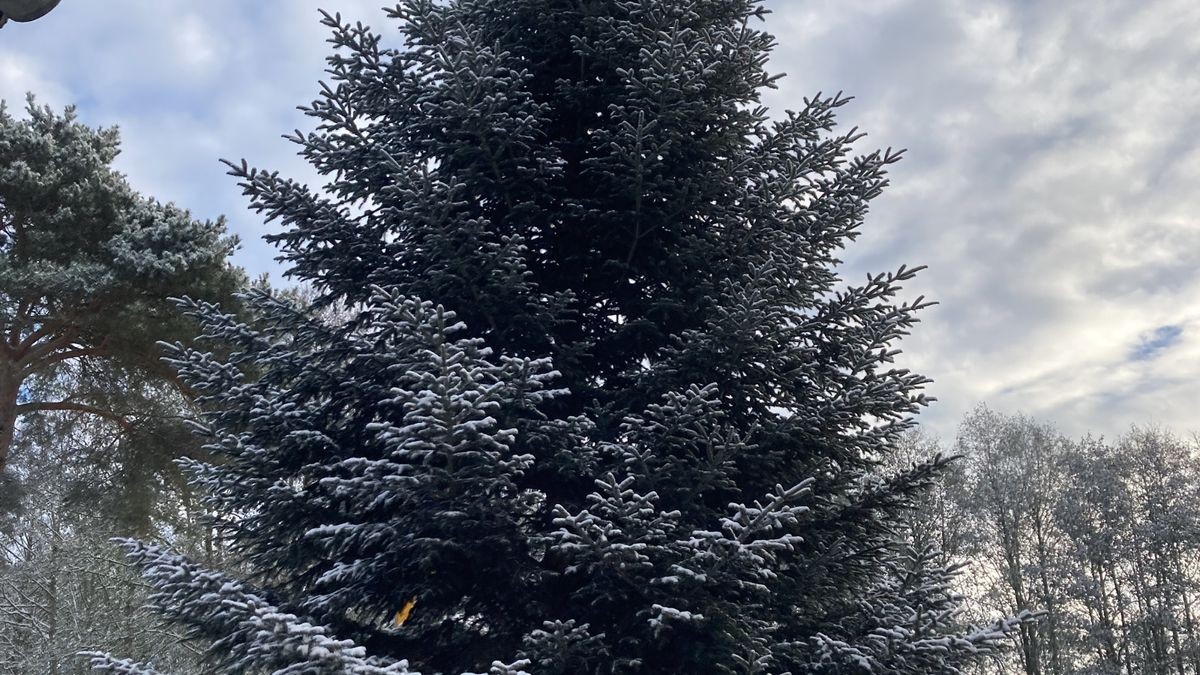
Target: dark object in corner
column 24, row 10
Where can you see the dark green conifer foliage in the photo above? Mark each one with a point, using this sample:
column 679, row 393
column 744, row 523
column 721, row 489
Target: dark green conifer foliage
column 600, row 402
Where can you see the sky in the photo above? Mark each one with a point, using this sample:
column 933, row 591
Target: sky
column 1051, row 183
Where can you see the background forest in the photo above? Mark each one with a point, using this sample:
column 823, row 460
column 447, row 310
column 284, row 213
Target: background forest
column 1098, row 534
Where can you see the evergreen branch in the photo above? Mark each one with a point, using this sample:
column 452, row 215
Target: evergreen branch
column 71, row 406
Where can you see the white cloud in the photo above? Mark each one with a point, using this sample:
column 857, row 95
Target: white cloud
column 20, row 75
column 195, row 43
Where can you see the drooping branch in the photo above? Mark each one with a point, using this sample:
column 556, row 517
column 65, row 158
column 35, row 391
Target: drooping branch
column 34, row 367
column 72, row 406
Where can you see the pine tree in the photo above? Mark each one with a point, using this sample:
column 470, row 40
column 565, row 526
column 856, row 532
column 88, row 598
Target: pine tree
column 86, row 269
column 599, row 402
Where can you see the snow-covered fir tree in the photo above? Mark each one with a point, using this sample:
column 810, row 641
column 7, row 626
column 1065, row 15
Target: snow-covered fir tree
column 598, row 402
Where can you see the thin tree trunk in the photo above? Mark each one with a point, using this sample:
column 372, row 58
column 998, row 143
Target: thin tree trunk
column 1169, row 601
column 1145, row 612
column 1112, row 572
column 52, row 601
column 1103, row 653
column 1029, row 636
column 1189, row 621
column 1106, row 617
column 1047, row 597
column 1152, row 624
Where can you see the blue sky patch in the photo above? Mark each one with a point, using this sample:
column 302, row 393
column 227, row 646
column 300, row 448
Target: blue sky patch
column 1153, row 344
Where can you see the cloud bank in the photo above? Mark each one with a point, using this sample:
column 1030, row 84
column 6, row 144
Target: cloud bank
column 1050, row 185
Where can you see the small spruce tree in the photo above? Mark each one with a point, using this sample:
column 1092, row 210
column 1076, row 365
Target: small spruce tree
column 599, row 402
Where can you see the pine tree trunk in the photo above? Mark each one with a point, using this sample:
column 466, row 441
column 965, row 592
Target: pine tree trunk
column 10, row 386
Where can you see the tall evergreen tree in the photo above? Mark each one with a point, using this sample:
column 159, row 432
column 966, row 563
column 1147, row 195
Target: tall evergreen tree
column 600, row 402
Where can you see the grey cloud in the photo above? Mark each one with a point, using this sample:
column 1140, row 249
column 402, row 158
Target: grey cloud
column 1050, row 187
